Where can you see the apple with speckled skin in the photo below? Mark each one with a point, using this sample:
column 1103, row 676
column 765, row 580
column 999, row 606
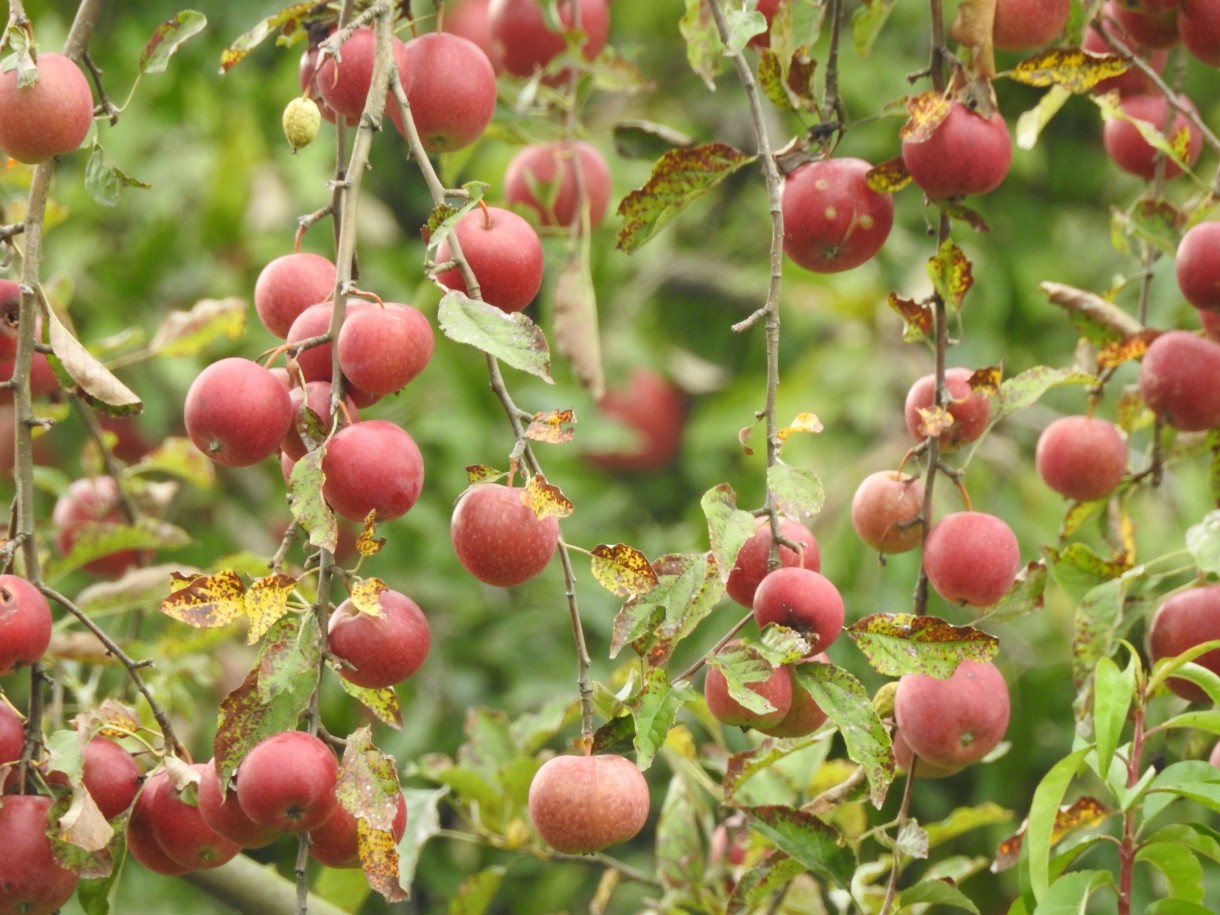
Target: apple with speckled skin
column 1197, row 266
column 184, row 834
column 32, row 882
column 833, row 221
column 802, row 600
column 497, row 536
column 954, row 721
column 886, row 509
column 379, row 651
column 1081, row 457
column 336, row 843
column 48, row 118
column 966, row 153
column 582, row 804
column 1178, row 380
column 971, row 558
column 237, row 412
column 372, row 465
column 1181, row 622
column 505, row 256
column 25, row 624
column 287, row 782
column 751, row 565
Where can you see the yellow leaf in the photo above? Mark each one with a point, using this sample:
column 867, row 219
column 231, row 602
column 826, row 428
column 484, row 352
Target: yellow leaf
column 554, row 428
column 205, row 601
column 545, row 500
column 368, row 543
column 623, row 570
column 366, row 595
column 266, row 602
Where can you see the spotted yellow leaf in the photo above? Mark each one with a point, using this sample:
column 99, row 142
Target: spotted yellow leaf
column 266, row 602
column 205, row 601
column 623, row 570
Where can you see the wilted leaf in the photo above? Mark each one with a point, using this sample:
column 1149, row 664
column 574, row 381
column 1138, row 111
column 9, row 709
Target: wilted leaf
column 288, row 20
column 623, row 570
column 974, row 27
column 168, row 37
column 381, row 702
column 266, row 602
column 926, row 111
column 368, row 543
column 574, row 323
column 688, row 588
column 888, row 177
column 366, row 595
column 1073, row 69
column 83, row 824
column 481, row 473
column 1082, row 813
column 951, row 274
column 901, row 643
column 1115, row 353
column 771, row 80
column 636, row 139
column 678, row 178
column 917, row 317
column 512, row 338
column 545, row 499
column 368, row 789
column 803, row 422
column 205, row 601
column 554, row 428
column 105, row 183
column 94, row 379
column 187, row 333
column 802, row 836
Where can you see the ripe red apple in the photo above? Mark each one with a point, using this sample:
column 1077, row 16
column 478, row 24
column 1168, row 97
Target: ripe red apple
column 1211, row 324
column 88, row 503
column 904, row 759
column 1081, row 457
column 10, row 313
column 110, row 775
column 1197, row 266
column 582, row 804
column 1022, row 25
column 523, row 41
column 43, row 382
column 32, row 882
column 1199, row 30
column 1133, row 81
column 290, row 284
column 315, row 362
column 372, row 465
column 971, row 558
column 236, row 412
column 344, row 84
column 542, row 177
column 966, row 154
column 498, row 538
column 336, row 843
column 802, row 600
column 287, row 782
column 142, row 840
column 381, row 349
column 183, row 833
column 451, row 86
column 25, row 624
column 1132, row 153
column 382, row 650
column 776, row 689
column 48, row 118
column 655, row 410
column 471, row 20
column 12, row 733
column 1152, row 28
column 886, row 509
column 970, row 409
column 1178, row 380
column 804, row 714
column 833, row 221
column 752, row 559
column 1184, row 620
column 223, row 813
column 956, row 721
column 315, row 396
column 504, row 253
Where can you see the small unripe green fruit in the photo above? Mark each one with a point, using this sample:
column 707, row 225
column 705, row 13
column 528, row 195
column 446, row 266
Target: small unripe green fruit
column 301, row 121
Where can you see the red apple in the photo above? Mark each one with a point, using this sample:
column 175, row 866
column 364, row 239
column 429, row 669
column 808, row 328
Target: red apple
column 183, row 833
column 1156, row 28
column 315, row 397
column 1211, row 324
column 223, row 813
column 542, row 177
column 48, row 118
column 1132, row 153
column 142, row 840
column 470, row 19
column 91, row 504
column 582, row 804
column 504, row 253
column 1133, row 81
column 833, row 221
column 12, row 733
column 336, row 843
column 1081, row 457
column 372, row 466
column 752, row 560
column 802, row 600
column 1199, row 30
column 1197, row 266
column 236, row 412
column 110, row 775
column 966, row 154
column 382, row 349
column 906, row 760
column 804, row 714
column 10, row 314
column 290, row 284
column 287, row 782
column 971, row 558
column 1178, row 380
column 776, row 689
column 969, row 409
column 956, row 721
column 523, row 41
column 768, row 8
column 497, row 537
column 381, row 650
column 655, row 411
column 25, row 624
column 1022, row 25
column 451, row 86
column 344, row 84
column 32, row 882
column 1184, row 620
column 886, row 510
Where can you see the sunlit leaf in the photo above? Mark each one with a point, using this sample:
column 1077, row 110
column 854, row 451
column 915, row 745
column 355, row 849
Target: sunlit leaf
column 798, row 493
column 545, row 499
column 926, row 112
column 728, row 526
column 951, row 274
column 901, row 643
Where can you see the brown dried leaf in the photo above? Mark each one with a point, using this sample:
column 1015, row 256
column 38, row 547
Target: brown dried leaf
column 974, row 27
column 623, row 570
column 84, row 825
column 205, row 601
column 1080, row 814
column 917, row 317
column 1120, row 351
column 368, row 789
column 986, row 380
column 554, row 428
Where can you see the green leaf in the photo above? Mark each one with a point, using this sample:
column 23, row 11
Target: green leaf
column 188, row 333
column 679, row 177
column 1193, row 779
column 728, row 527
column 477, row 892
column 704, row 48
column 1113, row 690
column 1098, row 616
column 178, row 457
column 1030, row 123
column 654, row 708
column 1205, row 720
column 1181, row 869
column 759, row 884
column 1042, row 811
column 901, row 643
column 95, row 539
column 1026, row 595
column 745, row 765
column 680, row 860
column 802, row 836
column 290, row 20
column 742, row 665
column 1025, row 389
column 1177, row 907
column 798, row 493
column 1069, row 895
column 168, row 37
column 937, row 892
column 965, row 819
column 846, row 702
column 512, row 338
column 309, row 509
column 743, row 25
column 689, row 586
column 1200, row 838
column 866, row 23
column 423, row 822
column 1175, row 667
column 1203, row 541
column 105, row 183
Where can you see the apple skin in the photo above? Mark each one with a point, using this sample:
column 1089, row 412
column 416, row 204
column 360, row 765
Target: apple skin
column 904, row 757
column 287, row 782
column 12, row 733
column 25, row 624
column 833, row 221
column 183, row 833
column 1197, row 266
column 470, row 19
column 885, row 511
column 504, row 253
column 966, row 154
column 971, row 558
column 497, row 537
column 1178, row 380
column 49, row 118
column 542, row 177
column 524, row 43
column 1214, row 756
column 768, row 8
column 1081, row 458
column 956, row 721
column 1133, row 81
column 316, row 396
column 804, row 714
column 652, row 407
column 1022, row 25
column 372, row 465
column 582, row 804
column 110, row 775
column 1211, row 324
column 803, row 600
column 142, row 840
column 290, row 284
column 776, row 689
column 970, row 409
column 224, row 815
column 336, row 842
column 1135, row 155
column 10, row 314
column 382, row 349
column 751, row 565
column 1199, row 30
column 344, row 85
column 90, row 501
column 32, row 882
column 1150, row 28
column 236, row 412
column 383, row 650
column 1181, row 622
column 451, row 86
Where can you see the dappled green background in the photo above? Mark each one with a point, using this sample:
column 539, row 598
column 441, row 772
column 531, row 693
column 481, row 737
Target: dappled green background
column 225, row 199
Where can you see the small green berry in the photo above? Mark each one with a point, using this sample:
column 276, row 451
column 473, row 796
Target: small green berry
column 301, row 122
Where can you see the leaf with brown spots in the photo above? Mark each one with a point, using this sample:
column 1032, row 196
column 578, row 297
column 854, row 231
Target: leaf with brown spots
column 1075, row 69
column 926, row 112
column 368, row 543
column 366, row 595
column 288, row 20
column 688, row 588
column 623, row 570
column 481, row 473
column 554, row 428
column 381, row 702
column 266, row 602
column 1115, row 354
column 888, row 177
column 916, row 317
column 973, row 28
column 771, row 80
column 511, row 338
column 986, row 380
column 546, row 500
column 901, row 643
column 368, row 789
column 305, row 500
column 679, row 177
column 728, row 527
column 205, row 601
column 1080, row 814
column 168, row 37
column 111, row 719
column 951, row 274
